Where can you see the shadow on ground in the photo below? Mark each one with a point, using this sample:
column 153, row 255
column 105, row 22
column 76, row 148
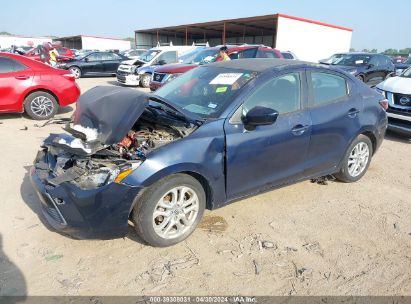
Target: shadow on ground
column 12, row 281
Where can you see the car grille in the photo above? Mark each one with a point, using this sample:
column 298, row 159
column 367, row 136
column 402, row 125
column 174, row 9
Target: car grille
column 399, row 111
column 158, row 77
column 121, row 78
column 119, row 72
column 402, row 100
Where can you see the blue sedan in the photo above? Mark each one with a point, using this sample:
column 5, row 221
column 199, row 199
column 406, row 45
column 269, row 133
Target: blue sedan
column 213, row 135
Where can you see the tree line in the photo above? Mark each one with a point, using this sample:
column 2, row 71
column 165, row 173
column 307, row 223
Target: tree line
column 390, row 52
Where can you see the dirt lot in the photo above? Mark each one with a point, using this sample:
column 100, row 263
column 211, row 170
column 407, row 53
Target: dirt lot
column 305, row 239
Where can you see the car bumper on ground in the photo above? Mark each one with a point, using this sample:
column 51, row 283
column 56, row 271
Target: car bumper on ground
column 85, row 214
column 128, row 79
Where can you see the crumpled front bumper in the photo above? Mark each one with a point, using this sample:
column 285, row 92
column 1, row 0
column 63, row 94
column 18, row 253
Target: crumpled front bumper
column 100, row 213
column 128, row 79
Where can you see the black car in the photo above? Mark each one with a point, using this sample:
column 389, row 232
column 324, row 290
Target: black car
column 367, row 67
column 94, row 64
column 401, row 67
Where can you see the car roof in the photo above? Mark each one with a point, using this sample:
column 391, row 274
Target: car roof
column 260, row 64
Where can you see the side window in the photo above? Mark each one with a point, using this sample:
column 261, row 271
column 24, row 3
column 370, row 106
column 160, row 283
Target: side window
column 282, row 94
column 327, row 88
column 8, row 65
column 250, row 53
column 375, row 61
column 264, row 54
column 94, row 57
column 168, row 57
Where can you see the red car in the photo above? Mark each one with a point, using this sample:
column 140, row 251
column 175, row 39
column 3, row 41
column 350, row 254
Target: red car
column 65, row 54
column 33, row 87
column 169, row 72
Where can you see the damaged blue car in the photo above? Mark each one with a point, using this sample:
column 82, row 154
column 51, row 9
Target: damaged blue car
column 214, row 135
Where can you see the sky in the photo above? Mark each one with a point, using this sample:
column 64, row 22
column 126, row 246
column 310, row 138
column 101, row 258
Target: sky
column 378, row 24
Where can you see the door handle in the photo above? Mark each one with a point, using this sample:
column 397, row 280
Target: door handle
column 352, row 113
column 22, row 77
column 299, row 129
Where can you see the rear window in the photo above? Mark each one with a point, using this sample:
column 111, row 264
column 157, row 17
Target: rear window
column 8, row 65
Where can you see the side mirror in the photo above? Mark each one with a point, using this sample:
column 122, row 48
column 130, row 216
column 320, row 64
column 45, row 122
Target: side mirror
column 86, row 59
column 259, row 116
column 370, row 65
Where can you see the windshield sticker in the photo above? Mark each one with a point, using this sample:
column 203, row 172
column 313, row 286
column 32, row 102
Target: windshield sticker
column 226, row 78
column 359, row 61
column 212, row 105
column 221, row 90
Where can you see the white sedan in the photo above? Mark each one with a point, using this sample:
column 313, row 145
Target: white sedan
column 397, row 90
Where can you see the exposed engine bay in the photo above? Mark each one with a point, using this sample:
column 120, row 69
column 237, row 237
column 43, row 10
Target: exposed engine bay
column 90, row 164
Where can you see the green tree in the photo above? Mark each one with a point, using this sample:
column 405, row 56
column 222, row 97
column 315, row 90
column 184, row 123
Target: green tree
column 352, row 50
column 374, row 51
column 390, row 52
column 5, row 33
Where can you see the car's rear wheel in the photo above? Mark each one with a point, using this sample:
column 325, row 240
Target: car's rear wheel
column 75, row 71
column 169, row 211
column 40, row 105
column 145, row 80
column 356, row 161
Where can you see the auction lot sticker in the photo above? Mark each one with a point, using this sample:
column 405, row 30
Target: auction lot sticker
column 226, row 78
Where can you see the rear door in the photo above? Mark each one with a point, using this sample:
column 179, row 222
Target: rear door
column 335, row 108
column 269, row 154
column 14, row 80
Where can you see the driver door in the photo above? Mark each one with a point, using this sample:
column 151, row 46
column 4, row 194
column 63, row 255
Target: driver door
column 93, row 64
column 268, row 155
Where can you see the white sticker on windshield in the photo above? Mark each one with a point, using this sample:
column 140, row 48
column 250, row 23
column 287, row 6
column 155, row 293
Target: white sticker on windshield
column 212, row 105
column 359, row 61
column 226, row 78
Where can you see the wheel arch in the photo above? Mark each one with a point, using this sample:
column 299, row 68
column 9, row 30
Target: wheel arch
column 208, row 190
column 40, row 89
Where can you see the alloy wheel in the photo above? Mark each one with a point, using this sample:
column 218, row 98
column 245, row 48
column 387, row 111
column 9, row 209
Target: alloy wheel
column 42, row 106
column 76, row 72
column 175, row 212
column 358, row 159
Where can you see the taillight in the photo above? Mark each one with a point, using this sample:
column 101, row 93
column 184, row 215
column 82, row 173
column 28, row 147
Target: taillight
column 384, row 104
column 69, row 76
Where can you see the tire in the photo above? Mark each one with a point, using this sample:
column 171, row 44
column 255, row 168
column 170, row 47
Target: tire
column 149, row 226
column 348, row 172
column 40, row 105
column 145, row 80
column 76, row 71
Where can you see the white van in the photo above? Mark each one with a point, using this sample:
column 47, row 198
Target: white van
column 138, row 71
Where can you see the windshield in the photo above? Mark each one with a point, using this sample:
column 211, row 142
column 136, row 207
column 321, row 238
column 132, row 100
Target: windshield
column 205, row 91
column 408, row 61
column 406, row 73
column 148, row 55
column 349, row 59
column 203, row 57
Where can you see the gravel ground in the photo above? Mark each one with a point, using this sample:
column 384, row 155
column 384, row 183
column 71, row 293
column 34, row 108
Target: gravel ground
column 305, row 239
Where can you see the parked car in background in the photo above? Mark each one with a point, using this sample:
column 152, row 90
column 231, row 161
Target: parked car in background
column 138, row 71
column 33, row 87
column 367, row 67
column 133, row 53
column 398, row 59
column 218, row 133
column 167, row 73
column 289, row 55
column 93, row 64
column 65, row 54
column 400, row 67
column 397, row 90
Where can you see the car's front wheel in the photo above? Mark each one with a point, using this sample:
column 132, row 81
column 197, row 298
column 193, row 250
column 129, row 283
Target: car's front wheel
column 75, row 71
column 169, row 211
column 356, row 161
column 145, row 80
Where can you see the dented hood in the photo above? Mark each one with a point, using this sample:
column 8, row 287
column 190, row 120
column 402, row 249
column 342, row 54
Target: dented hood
column 111, row 111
